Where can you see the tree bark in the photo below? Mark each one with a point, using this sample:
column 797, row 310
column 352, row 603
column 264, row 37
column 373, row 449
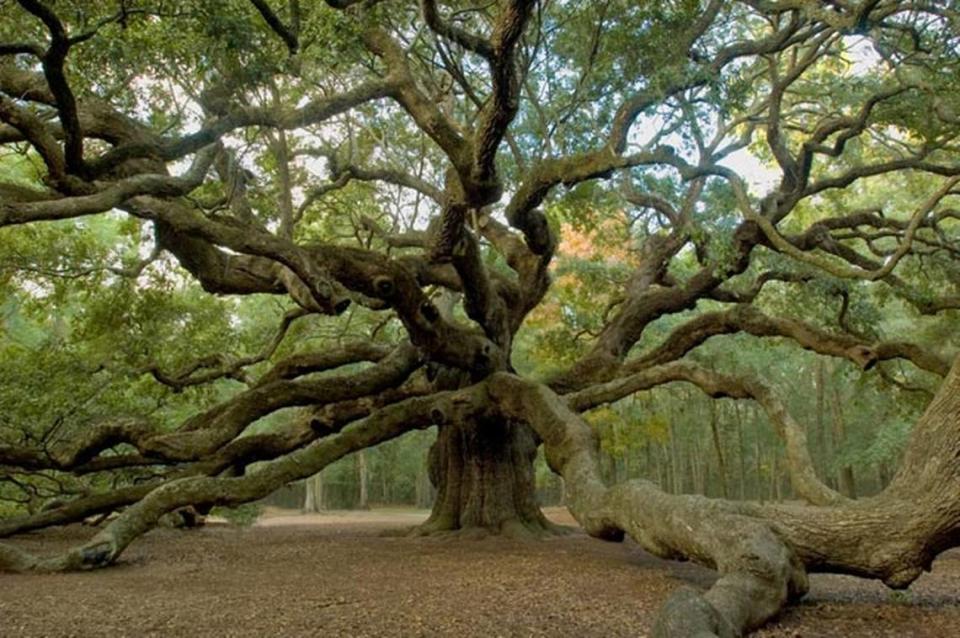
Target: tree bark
column 313, row 501
column 848, row 481
column 424, row 489
column 741, row 452
column 718, row 449
column 363, row 499
column 762, row 552
column 483, row 472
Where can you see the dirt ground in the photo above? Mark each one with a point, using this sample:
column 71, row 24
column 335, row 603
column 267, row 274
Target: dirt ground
column 338, row 575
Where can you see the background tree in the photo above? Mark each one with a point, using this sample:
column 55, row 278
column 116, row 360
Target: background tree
column 377, row 192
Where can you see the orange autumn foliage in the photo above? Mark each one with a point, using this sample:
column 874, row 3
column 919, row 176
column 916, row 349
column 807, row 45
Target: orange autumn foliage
column 607, row 244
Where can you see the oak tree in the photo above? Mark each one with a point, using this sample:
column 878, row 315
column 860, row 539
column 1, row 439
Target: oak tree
column 416, row 165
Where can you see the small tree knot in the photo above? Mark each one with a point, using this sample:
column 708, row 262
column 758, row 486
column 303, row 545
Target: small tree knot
column 384, row 286
column 863, row 356
column 429, row 311
column 437, row 416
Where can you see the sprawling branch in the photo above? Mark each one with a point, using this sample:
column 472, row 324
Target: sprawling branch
column 645, row 303
column 746, row 318
column 114, row 195
column 842, row 270
column 287, row 33
column 107, row 545
column 403, row 88
column 310, row 362
column 31, row 128
column 481, row 301
column 799, row 464
column 762, row 552
column 209, row 369
column 77, row 509
column 448, row 30
column 313, row 112
column 53, row 68
column 504, row 100
column 205, row 433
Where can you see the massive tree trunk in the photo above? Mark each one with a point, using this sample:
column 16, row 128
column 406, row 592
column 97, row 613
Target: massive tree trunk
column 483, row 472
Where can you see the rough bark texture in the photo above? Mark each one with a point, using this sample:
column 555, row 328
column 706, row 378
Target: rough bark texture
column 483, row 473
column 313, row 500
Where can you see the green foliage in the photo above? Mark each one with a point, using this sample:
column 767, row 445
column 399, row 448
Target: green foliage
column 78, row 332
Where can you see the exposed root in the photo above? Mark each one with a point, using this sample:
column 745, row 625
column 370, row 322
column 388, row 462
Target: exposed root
column 688, row 614
column 760, row 572
column 761, row 552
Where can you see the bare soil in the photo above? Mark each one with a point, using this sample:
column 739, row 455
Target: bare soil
column 338, row 575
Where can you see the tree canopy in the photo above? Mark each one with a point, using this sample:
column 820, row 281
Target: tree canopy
column 242, row 240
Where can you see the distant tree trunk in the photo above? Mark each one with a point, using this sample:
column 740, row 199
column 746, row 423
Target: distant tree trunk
column 718, row 449
column 742, row 449
column 313, row 500
column 663, row 466
column 884, row 474
column 675, row 462
column 623, row 462
column 848, row 483
column 423, row 490
column 648, row 469
column 363, row 500
column 775, row 477
column 606, row 464
column 758, row 453
column 825, row 435
column 698, row 468
column 820, row 453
